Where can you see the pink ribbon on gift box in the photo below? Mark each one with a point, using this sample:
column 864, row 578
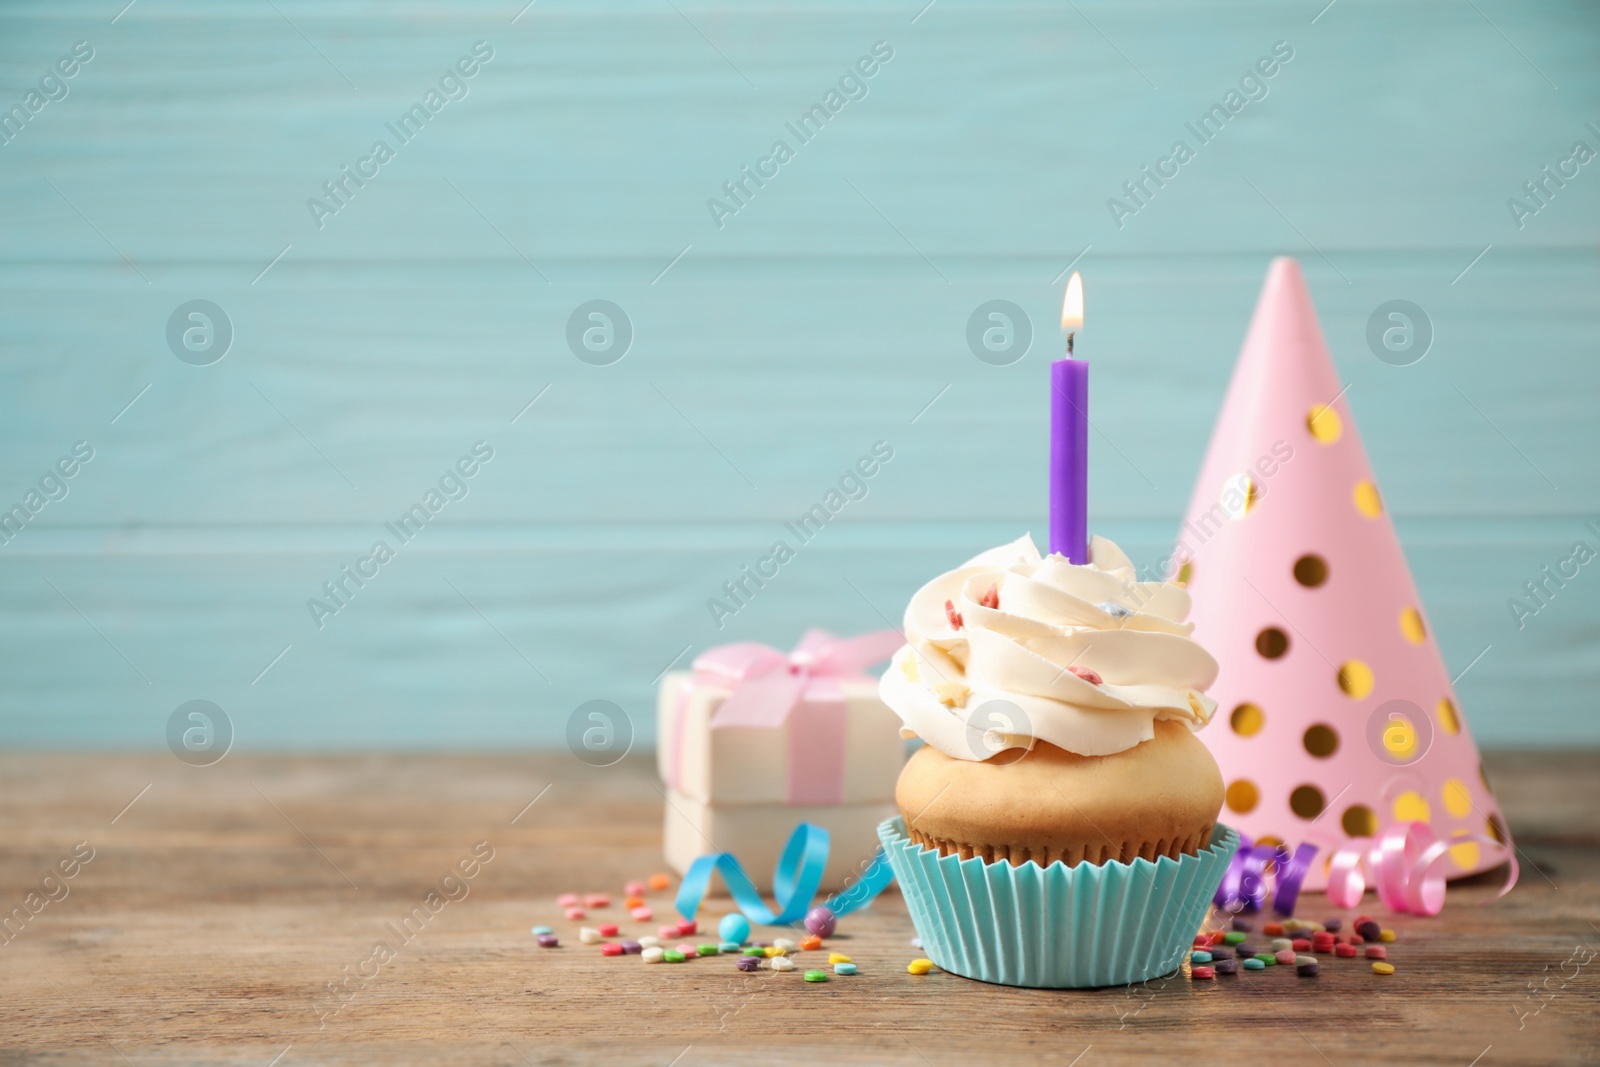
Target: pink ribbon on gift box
column 768, row 687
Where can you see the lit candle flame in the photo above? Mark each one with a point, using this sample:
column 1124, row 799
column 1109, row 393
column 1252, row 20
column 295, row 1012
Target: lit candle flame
column 1072, row 306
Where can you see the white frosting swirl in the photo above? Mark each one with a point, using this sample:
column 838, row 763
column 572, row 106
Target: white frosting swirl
column 1056, row 628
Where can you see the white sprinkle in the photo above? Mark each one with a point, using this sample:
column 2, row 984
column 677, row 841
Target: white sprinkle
column 652, row 954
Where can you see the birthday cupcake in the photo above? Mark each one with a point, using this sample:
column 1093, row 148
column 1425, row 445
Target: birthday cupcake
column 1059, row 827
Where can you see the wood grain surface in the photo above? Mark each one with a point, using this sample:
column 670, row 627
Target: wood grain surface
column 220, row 903
column 829, row 313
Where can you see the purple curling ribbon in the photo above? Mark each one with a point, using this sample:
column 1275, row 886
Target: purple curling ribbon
column 1245, row 884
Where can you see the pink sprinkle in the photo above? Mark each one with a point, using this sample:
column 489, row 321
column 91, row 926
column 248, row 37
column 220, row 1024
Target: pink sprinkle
column 575, row 913
column 689, row 951
column 686, row 926
column 667, row 933
column 567, row 900
column 991, row 599
column 1087, row 675
column 952, row 614
column 634, row 889
column 608, row 929
column 597, row 900
column 642, row 915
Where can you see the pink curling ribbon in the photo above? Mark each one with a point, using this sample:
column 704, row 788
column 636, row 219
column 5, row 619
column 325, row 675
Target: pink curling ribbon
column 768, row 687
column 1405, row 864
column 1244, row 884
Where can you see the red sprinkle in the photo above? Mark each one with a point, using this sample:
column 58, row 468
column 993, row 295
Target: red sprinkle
column 611, row 948
column 1087, row 675
column 608, row 929
column 1345, row 952
column 1201, row 971
column 686, row 926
column 597, row 900
column 991, row 599
column 952, row 614
column 1302, row 945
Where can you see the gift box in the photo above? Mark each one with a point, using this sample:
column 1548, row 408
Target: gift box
column 754, row 741
column 756, row 834
column 751, row 725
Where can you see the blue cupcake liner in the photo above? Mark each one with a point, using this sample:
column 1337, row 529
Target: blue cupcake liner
column 1056, row 927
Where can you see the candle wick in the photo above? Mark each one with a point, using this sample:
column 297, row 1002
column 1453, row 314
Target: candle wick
column 1069, row 343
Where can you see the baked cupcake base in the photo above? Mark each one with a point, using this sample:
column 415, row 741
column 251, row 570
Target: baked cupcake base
column 1056, row 926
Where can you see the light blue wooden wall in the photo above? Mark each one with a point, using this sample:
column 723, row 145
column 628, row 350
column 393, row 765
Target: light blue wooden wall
column 824, row 317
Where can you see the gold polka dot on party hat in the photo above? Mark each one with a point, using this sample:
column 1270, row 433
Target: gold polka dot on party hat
column 1306, row 801
column 1358, row 821
column 1464, row 854
column 1324, row 424
column 1457, row 801
column 1310, row 570
column 1321, row 740
column 1272, row 642
column 1448, row 720
column 1355, row 678
column 1367, row 500
column 1411, row 807
column 1243, row 796
column 1411, row 626
column 1247, row 720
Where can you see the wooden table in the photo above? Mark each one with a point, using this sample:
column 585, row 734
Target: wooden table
column 220, row 903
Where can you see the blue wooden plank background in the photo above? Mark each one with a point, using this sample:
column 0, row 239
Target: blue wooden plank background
column 769, row 352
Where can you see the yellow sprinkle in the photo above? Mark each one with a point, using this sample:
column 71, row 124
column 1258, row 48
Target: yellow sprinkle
column 838, row 957
column 908, row 667
column 924, row 966
column 952, row 694
column 1385, row 935
column 1383, row 968
column 773, row 950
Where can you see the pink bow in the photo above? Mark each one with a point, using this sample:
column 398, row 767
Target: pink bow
column 1406, row 865
column 768, row 687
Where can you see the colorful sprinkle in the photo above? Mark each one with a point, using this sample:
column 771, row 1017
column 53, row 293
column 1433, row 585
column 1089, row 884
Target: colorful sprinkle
column 649, row 942
column 1333, row 926
column 1369, row 930
column 1226, row 966
column 1377, row 952
column 633, row 902
column 952, row 614
column 642, row 914
column 1281, row 943
column 1286, row 957
column 575, row 914
column 1267, row 958
column 689, row 952
column 1245, row 925
column 1202, row 972
column 821, row 921
column 1253, row 964
column 816, row 976
column 1235, row 937
column 783, row 944
column 844, row 968
column 734, row 927
column 686, row 926
column 1300, row 944
column 632, row 948
column 919, row 966
column 916, row 942
column 659, row 881
column 781, row 963
column 1199, row 957
column 747, row 963
column 537, row 930
column 653, row 954
column 1308, row 970
column 1273, row 929
column 611, row 948
column 666, row 933
column 1245, row 948
column 672, row 955
column 549, row 941
column 708, row 950
column 608, row 929
column 811, row 943
column 838, row 957
column 1386, row 935
column 1220, row 952
column 597, row 900
column 1086, row 674
column 1345, row 952
column 634, row 889
column 567, row 900
column 990, row 599
column 1383, row 968
column 728, row 948
column 589, row 935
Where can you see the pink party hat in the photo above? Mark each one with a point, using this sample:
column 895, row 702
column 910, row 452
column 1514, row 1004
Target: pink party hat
column 1336, row 716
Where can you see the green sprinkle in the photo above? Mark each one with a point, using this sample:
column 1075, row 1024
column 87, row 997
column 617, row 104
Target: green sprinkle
column 707, row 950
column 1254, row 964
column 1267, row 959
column 816, row 976
column 1233, row 937
column 1199, row 956
column 672, row 955
column 751, row 950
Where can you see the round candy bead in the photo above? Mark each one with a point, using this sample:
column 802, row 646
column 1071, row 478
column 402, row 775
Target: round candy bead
column 816, row 976
column 1386, row 935
column 567, row 900
column 838, row 957
column 1383, row 968
column 844, row 968
column 1267, row 959
column 537, row 930
column 589, row 935
column 1273, row 929
column 1226, row 966
column 1199, row 957
column 1234, row 937
column 1300, row 944
column 672, row 955
column 611, row 948
column 821, row 921
column 708, row 950
column 549, row 941
column 634, row 889
column 781, row 963
column 1377, row 952
column 919, row 966
column 728, row 948
column 632, row 948
column 1286, row 957
column 735, row 928
column 689, row 951
column 659, row 881
column 810, row 943
column 1202, row 972
column 1308, row 970
column 642, row 914
column 575, row 914
column 1281, row 943
column 1369, row 930
column 653, row 954
column 1253, row 964
column 747, row 963
column 1333, row 926
column 686, row 926
column 608, row 929
column 1345, row 952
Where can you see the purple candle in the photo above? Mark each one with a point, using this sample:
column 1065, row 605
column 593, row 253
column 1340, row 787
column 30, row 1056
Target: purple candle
column 1069, row 439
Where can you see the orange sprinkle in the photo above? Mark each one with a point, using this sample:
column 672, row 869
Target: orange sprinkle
column 812, row 942
column 659, row 881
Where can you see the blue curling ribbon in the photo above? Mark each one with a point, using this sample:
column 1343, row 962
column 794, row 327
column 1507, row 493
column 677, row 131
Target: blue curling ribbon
column 794, row 881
